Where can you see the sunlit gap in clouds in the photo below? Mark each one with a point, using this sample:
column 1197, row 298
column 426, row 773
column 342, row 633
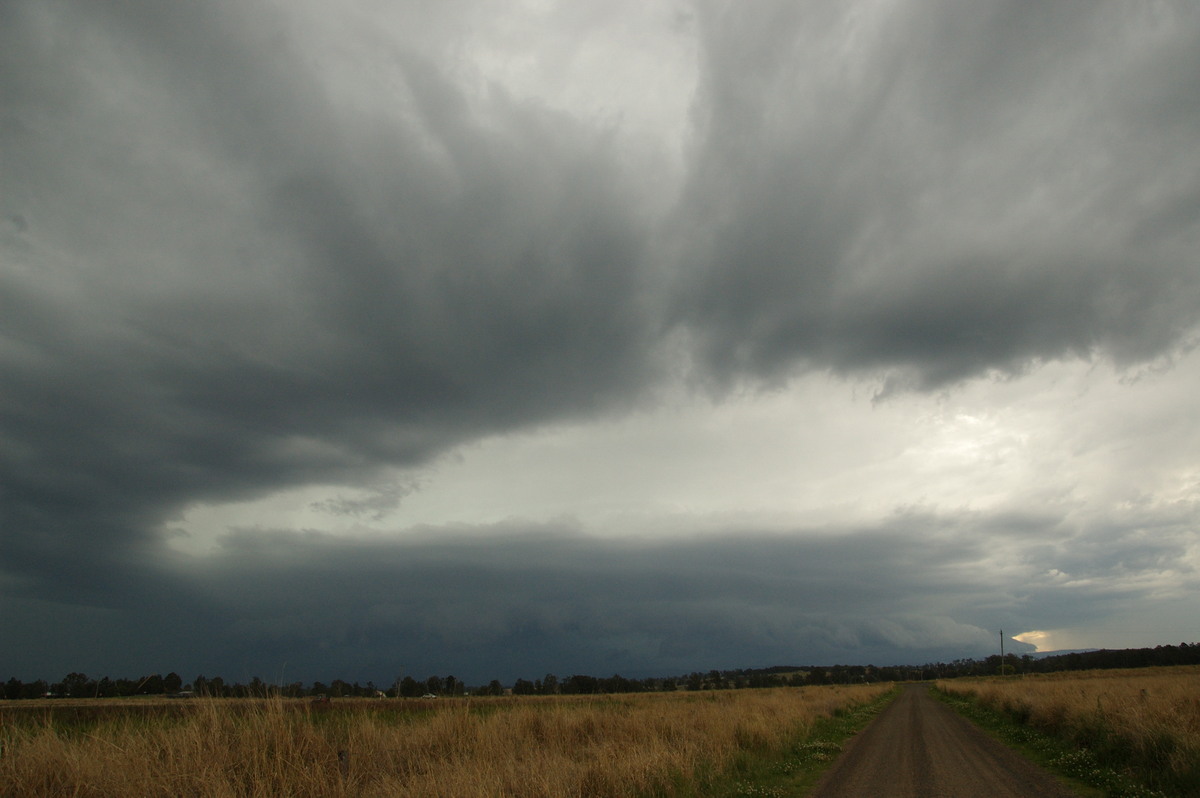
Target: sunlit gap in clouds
column 1051, row 640
column 1045, row 641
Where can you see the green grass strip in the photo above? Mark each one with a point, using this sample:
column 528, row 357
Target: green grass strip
column 1076, row 764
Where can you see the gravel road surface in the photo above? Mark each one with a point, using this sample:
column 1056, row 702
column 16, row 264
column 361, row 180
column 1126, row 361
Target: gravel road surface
column 919, row 748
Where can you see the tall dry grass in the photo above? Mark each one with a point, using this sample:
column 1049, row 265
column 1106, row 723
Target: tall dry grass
column 661, row 744
column 1144, row 720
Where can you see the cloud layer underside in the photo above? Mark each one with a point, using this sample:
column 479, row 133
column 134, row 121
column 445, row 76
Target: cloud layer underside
column 944, row 191
column 514, row 599
column 244, row 249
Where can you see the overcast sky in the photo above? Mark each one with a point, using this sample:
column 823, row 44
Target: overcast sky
column 497, row 339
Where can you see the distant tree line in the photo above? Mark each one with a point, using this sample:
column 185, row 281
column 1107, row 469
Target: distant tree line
column 79, row 685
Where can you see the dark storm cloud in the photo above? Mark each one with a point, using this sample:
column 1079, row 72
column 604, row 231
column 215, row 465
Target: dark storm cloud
column 243, row 250
column 948, row 190
column 225, row 287
column 517, row 600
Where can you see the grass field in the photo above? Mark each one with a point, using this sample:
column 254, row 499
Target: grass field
column 1144, row 723
column 670, row 744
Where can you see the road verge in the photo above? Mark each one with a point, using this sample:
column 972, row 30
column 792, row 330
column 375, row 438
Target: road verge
column 795, row 769
column 1075, row 764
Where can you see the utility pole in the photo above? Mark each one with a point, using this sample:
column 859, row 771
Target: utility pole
column 1001, row 652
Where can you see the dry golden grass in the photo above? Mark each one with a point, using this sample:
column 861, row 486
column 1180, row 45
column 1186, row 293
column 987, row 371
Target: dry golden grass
column 526, row 747
column 1147, row 719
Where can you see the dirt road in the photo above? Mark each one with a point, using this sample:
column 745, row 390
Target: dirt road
column 919, row 748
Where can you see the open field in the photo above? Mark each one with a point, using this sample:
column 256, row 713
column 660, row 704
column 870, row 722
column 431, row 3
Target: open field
column 1145, row 722
column 649, row 744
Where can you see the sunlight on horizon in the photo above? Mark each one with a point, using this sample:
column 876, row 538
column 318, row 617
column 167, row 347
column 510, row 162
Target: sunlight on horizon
column 1048, row 640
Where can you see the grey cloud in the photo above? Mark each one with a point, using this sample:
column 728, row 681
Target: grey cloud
column 227, row 269
column 377, row 504
column 957, row 190
column 231, row 289
column 520, row 599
